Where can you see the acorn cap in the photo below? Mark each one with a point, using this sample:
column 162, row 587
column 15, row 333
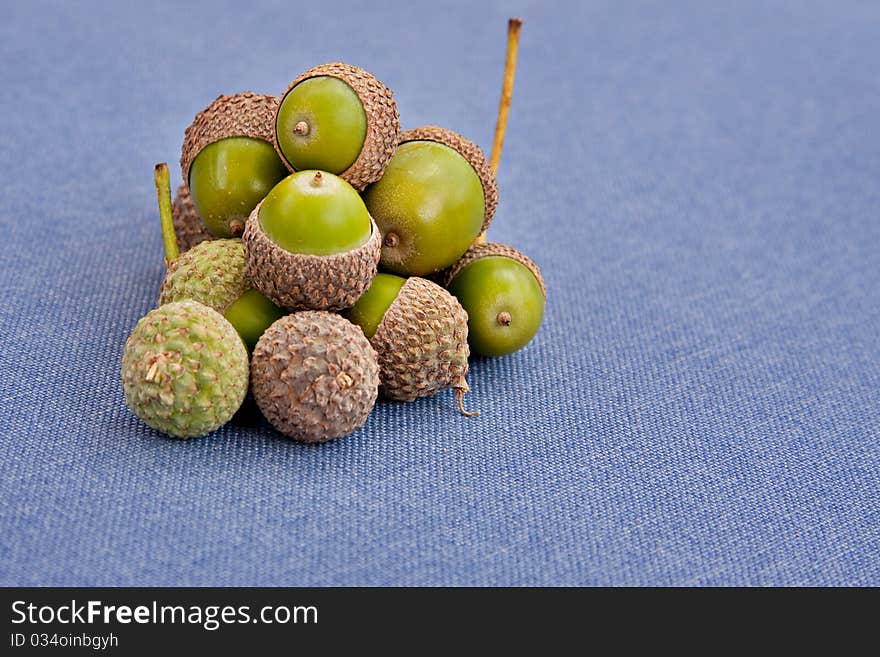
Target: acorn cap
column 486, row 249
column 300, row 281
column 315, row 376
column 184, row 369
column 244, row 114
column 212, row 273
column 422, row 342
column 383, row 121
column 188, row 224
column 469, row 151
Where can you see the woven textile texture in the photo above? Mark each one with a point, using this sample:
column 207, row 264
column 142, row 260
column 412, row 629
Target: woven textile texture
column 700, row 182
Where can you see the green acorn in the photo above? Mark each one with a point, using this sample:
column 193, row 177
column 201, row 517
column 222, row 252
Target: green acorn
column 504, row 295
column 340, row 119
column 184, row 369
column 311, row 244
column 228, row 161
column 435, row 197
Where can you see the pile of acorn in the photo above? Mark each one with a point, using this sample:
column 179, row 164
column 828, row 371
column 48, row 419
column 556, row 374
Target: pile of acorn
column 291, row 206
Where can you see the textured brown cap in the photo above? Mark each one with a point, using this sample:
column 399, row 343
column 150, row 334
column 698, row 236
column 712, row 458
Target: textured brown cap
column 383, row 121
column 188, row 224
column 469, row 151
column 244, row 114
column 301, row 281
column 422, row 342
column 315, row 376
column 486, row 249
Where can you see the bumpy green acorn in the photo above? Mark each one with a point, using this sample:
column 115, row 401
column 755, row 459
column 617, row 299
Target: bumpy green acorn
column 213, row 273
column 419, row 331
column 504, row 295
column 340, row 119
column 314, row 376
column 436, row 195
column 184, row 369
column 188, row 225
column 311, row 244
column 228, row 160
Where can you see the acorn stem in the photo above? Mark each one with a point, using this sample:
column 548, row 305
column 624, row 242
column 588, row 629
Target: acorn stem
column 461, row 386
column 513, row 29
column 459, row 393
column 162, row 180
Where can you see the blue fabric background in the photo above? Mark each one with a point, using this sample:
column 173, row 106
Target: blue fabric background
column 700, row 182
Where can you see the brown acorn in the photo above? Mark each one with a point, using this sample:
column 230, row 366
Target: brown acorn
column 188, row 224
column 420, row 332
column 315, row 376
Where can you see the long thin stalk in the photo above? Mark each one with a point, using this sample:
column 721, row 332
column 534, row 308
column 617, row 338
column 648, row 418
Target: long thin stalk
column 163, row 194
column 513, row 29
